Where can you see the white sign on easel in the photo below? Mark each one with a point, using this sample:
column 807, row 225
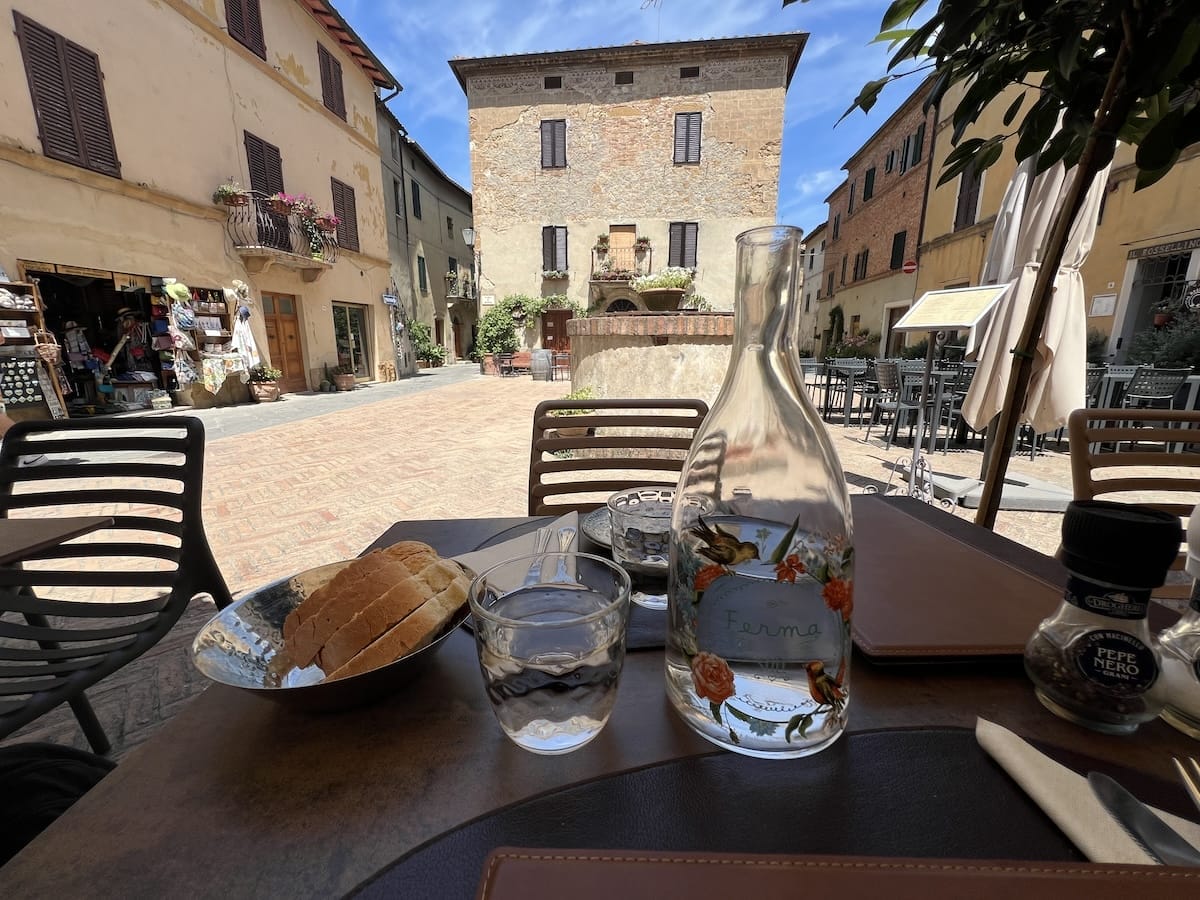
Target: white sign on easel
column 934, row 312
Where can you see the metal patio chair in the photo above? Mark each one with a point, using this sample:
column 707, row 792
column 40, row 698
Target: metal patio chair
column 578, row 461
column 75, row 613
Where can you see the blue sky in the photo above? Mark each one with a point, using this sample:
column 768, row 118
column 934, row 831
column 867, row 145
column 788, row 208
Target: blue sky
column 415, row 38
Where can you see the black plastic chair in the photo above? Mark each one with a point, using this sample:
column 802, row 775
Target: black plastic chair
column 1152, row 388
column 890, row 399
column 94, row 604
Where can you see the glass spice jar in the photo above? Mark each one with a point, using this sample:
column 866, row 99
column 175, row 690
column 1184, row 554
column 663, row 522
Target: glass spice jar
column 1180, row 648
column 1093, row 662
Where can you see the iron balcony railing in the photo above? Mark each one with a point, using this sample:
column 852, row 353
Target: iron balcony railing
column 621, row 263
column 260, row 223
column 459, row 288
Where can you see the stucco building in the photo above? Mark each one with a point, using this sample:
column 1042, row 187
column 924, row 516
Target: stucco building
column 427, row 214
column 578, row 154
column 1146, row 248
column 122, row 118
column 874, row 224
column 808, row 323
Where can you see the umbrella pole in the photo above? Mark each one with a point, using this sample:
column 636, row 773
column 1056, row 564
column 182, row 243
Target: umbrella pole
column 919, row 440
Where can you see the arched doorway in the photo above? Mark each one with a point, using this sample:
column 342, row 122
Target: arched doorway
column 621, row 305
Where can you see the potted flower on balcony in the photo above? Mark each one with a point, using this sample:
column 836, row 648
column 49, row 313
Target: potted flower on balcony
column 343, row 377
column 554, row 274
column 264, row 383
column 328, row 222
column 601, row 245
column 231, row 194
column 641, row 244
column 280, row 203
column 1163, row 314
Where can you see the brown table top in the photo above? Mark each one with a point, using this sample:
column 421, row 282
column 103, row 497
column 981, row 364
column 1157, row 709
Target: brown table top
column 236, row 795
column 20, row 538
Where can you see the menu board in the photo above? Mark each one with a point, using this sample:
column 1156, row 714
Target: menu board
column 950, row 310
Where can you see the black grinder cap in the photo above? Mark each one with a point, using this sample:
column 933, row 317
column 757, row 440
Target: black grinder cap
column 1120, row 543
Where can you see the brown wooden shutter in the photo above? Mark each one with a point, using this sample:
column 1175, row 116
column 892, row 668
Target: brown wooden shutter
column 691, row 232
column 332, row 92
column 554, row 143
column 547, row 248
column 918, row 144
column 67, row 89
column 560, row 248
column 968, row 198
column 345, row 209
column 687, row 137
column 675, row 244
column 265, row 165
column 243, row 18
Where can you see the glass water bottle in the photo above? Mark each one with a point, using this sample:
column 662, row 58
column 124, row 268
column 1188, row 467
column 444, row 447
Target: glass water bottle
column 761, row 580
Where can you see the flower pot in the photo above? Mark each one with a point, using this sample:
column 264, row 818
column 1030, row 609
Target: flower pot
column 236, row 200
column 326, row 225
column 279, row 208
column 580, row 431
column 265, row 391
column 344, row 382
column 1163, row 318
column 662, row 299
column 487, row 365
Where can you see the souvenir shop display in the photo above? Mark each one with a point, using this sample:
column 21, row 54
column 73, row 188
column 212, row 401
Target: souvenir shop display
column 31, row 374
column 201, row 337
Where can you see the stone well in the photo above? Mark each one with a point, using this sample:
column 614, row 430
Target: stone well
column 675, row 355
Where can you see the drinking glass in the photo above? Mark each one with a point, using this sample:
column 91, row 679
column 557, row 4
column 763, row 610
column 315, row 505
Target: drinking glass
column 550, row 631
column 641, row 540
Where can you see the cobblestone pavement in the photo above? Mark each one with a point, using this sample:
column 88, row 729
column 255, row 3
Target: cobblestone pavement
column 317, row 478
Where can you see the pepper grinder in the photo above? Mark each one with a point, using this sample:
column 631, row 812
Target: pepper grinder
column 1180, row 649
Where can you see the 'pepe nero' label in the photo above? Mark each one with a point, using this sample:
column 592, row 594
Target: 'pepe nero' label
column 1117, row 661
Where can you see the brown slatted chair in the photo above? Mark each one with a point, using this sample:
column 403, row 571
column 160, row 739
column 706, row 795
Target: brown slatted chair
column 1092, row 430
column 578, row 460
column 74, row 614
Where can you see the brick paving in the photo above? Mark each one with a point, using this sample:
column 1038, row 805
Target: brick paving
column 333, row 472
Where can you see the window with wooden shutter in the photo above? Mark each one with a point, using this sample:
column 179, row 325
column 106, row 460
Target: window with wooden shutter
column 346, row 210
column 687, row 137
column 869, row 184
column 968, row 198
column 243, row 19
column 843, row 279
column 899, row 240
column 265, row 165
column 554, row 143
column 681, row 248
column 332, row 93
column 837, row 226
column 905, row 151
column 416, row 197
column 67, row 90
column 918, row 144
column 422, row 275
column 554, row 248
column 853, row 189
column 889, row 161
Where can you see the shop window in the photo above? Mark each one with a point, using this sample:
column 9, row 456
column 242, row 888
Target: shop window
column 554, row 248
column 344, row 208
column 422, row 275
column 554, row 143
column 899, row 239
column 243, row 18
column 687, row 137
column 331, row 82
column 416, row 198
column 67, row 89
column 681, row 249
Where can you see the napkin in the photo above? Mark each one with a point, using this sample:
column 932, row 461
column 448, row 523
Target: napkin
column 1067, row 799
column 524, row 545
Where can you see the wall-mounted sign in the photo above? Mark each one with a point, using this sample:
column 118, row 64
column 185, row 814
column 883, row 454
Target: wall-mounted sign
column 1164, row 249
column 488, row 300
column 391, row 300
column 1103, row 305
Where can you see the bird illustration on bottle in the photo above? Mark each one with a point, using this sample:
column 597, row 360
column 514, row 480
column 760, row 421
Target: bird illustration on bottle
column 723, row 548
column 825, row 691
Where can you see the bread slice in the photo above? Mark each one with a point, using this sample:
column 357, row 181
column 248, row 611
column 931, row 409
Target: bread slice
column 414, row 632
column 315, row 601
column 340, row 608
column 378, row 617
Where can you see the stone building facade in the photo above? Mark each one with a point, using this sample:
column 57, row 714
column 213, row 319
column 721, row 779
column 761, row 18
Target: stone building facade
column 427, row 212
column 183, row 96
column 875, row 223
column 674, row 143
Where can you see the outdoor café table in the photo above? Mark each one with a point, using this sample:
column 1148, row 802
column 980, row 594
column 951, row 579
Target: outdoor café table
column 850, row 375
column 236, row 796
column 21, row 538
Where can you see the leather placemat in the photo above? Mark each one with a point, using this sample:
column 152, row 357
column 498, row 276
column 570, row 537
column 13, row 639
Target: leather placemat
column 521, row 874
column 647, row 628
column 922, row 593
column 909, row 793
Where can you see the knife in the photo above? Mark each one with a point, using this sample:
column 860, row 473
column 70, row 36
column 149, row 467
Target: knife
column 1150, row 832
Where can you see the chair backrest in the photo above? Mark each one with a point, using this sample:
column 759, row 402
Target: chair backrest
column 1172, row 488
column 966, row 374
column 578, row 460
column 1091, row 383
column 912, row 365
column 1149, row 383
column 78, row 611
column 888, row 374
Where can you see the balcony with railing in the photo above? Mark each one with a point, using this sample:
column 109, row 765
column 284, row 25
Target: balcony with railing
column 459, row 288
column 265, row 233
column 621, row 264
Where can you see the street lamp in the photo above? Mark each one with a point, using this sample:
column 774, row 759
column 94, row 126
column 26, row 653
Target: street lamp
column 468, row 235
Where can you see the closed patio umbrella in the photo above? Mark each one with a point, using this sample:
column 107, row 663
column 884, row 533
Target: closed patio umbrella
column 1057, row 385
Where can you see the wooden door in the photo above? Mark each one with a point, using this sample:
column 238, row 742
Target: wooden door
column 554, row 330
column 620, row 246
column 283, row 340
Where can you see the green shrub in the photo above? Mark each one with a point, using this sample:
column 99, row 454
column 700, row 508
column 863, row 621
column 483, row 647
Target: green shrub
column 496, row 332
column 1172, row 346
column 584, row 393
column 1097, row 346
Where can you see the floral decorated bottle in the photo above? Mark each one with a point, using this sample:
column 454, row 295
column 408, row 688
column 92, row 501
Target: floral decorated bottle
column 761, row 579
